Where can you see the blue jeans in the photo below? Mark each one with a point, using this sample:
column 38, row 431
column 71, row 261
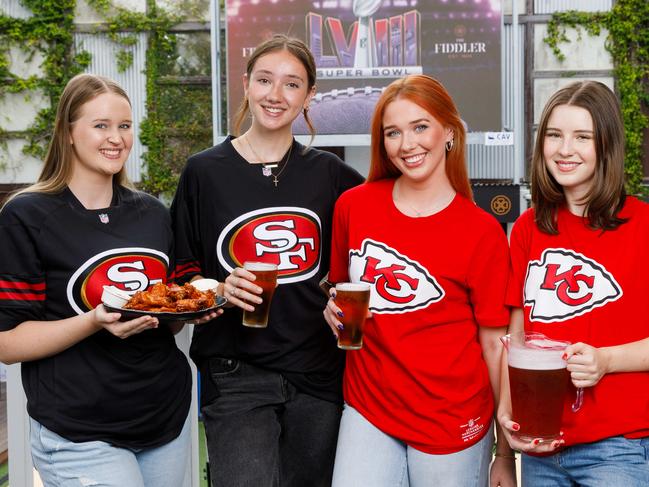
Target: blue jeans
column 263, row 432
column 368, row 457
column 63, row 463
column 613, row 462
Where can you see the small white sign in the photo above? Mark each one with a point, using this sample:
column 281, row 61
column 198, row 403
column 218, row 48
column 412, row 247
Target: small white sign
column 499, row 138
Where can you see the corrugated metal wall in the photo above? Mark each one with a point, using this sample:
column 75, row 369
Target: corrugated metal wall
column 133, row 80
column 551, row 6
column 13, row 8
column 497, row 162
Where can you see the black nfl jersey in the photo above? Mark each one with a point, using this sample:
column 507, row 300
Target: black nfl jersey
column 227, row 211
column 55, row 257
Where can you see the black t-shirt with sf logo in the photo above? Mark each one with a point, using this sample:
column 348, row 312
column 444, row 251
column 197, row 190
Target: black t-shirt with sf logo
column 227, row 211
column 55, row 257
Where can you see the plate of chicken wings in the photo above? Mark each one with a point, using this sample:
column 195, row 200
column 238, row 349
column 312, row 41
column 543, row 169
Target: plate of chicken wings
column 168, row 303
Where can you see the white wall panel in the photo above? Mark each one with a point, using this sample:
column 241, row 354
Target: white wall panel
column 13, row 8
column 551, row 6
column 583, row 52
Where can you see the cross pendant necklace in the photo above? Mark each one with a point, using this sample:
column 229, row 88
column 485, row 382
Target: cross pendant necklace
column 267, row 169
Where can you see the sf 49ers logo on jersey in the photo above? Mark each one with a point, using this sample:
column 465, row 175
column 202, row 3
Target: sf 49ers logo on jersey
column 286, row 236
column 565, row 283
column 130, row 269
column 399, row 284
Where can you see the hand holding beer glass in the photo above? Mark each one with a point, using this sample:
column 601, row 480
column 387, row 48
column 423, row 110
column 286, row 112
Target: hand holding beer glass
column 350, row 305
column 539, row 383
column 266, row 279
column 251, row 288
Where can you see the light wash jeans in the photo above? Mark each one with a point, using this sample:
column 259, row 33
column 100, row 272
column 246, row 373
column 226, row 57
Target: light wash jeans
column 63, row 463
column 368, row 457
column 613, row 462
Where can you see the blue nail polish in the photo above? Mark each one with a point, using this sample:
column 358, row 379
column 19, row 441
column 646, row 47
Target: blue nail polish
column 340, row 326
column 333, row 294
column 340, row 313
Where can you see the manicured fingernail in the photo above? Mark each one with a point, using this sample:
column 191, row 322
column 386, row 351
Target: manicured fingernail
column 560, row 433
column 516, row 426
column 340, row 313
column 564, row 356
column 333, row 294
column 340, row 326
column 536, row 442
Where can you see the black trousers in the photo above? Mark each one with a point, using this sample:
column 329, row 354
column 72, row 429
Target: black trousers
column 262, row 432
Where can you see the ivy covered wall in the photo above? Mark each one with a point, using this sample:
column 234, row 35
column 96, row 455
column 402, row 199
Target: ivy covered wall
column 178, row 118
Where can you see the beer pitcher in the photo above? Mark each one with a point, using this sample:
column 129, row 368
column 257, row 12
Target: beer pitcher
column 539, row 382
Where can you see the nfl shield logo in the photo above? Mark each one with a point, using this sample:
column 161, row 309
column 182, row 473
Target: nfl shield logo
column 103, row 217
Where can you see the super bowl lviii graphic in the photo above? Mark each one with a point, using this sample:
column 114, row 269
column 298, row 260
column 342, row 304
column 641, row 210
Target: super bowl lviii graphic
column 361, row 46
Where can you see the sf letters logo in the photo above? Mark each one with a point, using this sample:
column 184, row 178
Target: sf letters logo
column 288, row 236
column 279, row 237
column 399, row 284
column 389, row 279
column 130, row 269
column 564, row 283
column 131, row 276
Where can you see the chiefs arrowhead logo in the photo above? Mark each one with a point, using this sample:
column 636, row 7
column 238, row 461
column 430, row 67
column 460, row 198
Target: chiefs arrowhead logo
column 287, row 236
column 565, row 283
column 129, row 269
column 399, row 284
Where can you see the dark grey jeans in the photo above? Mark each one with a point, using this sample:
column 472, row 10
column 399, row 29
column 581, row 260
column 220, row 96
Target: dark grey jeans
column 263, row 432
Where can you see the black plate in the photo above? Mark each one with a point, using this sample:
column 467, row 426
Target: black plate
column 131, row 314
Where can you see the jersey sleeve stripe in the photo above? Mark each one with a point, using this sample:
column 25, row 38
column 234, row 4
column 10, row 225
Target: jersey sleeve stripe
column 184, row 269
column 21, row 297
column 38, row 286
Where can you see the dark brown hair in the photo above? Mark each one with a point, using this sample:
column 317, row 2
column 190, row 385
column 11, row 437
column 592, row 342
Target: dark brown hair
column 430, row 95
column 605, row 198
column 279, row 42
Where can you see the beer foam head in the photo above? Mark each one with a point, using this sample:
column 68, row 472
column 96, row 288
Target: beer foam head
column 352, row 286
column 259, row 266
column 535, row 359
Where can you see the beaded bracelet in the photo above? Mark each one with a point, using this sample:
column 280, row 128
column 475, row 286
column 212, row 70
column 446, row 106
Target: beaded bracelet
column 502, row 455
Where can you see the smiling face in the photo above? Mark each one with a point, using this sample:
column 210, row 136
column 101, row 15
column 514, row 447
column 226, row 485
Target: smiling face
column 415, row 141
column 102, row 136
column 569, row 149
column 277, row 90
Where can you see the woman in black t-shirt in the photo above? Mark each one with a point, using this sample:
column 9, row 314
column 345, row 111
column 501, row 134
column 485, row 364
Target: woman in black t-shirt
column 108, row 401
column 271, row 398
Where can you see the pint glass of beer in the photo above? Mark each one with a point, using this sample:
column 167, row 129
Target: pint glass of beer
column 353, row 298
column 267, row 280
column 539, row 383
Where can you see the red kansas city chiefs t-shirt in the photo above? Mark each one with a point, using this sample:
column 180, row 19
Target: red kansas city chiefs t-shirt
column 589, row 286
column 420, row 376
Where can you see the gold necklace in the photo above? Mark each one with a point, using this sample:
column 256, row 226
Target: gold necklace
column 267, row 167
column 426, row 211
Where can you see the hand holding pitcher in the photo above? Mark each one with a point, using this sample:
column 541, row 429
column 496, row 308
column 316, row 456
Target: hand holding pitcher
column 539, row 382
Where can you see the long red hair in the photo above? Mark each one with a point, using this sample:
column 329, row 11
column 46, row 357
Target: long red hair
column 429, row 94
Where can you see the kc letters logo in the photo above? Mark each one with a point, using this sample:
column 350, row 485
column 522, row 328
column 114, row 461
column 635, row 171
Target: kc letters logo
column 564, row 284
column 287, row 236
column 130, row 269
column 399, row 284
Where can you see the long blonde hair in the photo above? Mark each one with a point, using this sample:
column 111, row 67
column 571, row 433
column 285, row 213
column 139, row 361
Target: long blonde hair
column 57, row 167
